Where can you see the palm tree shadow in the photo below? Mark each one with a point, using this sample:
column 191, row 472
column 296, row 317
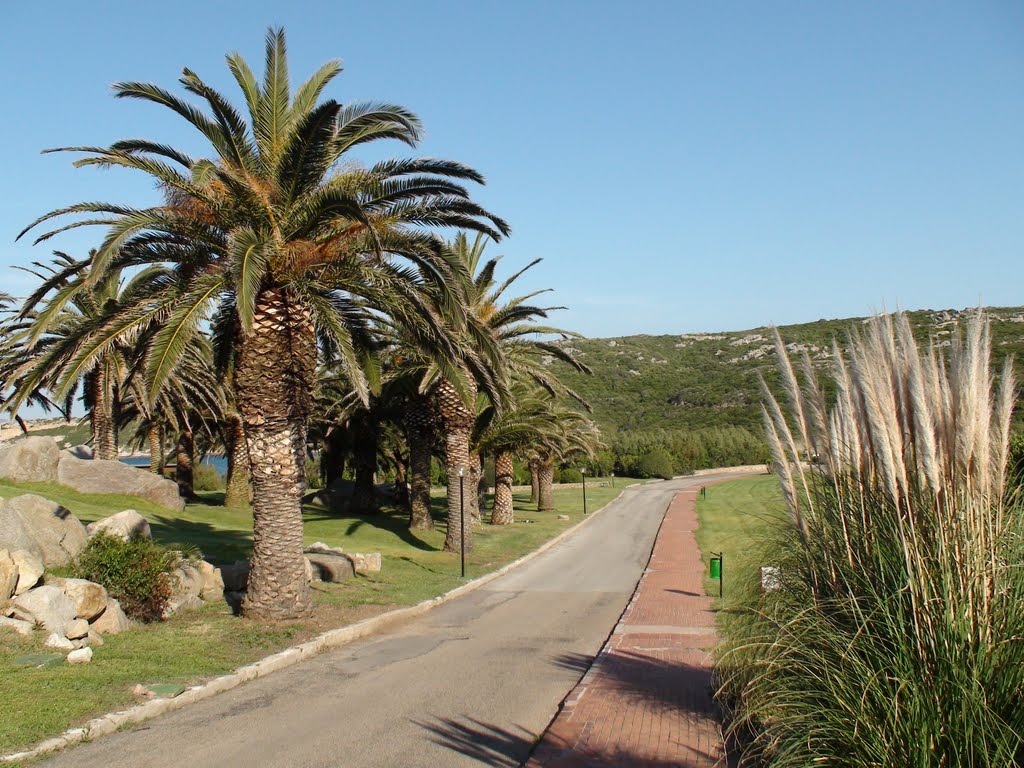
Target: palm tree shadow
column 390, row 519
column 219, row 545
column 487, row 744
column 494, row 745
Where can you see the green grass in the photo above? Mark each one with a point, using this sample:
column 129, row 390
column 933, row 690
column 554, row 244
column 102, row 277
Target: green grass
column 38, row 704
column 735, row 519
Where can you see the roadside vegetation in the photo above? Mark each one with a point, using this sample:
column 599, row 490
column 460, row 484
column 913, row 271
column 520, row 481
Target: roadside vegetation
column 893, row 636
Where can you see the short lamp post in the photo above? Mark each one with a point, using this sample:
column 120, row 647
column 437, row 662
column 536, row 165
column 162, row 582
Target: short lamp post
column 613, row 479
column 583, row 473
column 462, row 519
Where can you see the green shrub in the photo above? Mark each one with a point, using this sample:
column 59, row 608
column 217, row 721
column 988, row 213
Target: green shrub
column 136, row 573
column 571, row 475
column 314, row 477
column 205, row 477
column 656, row 463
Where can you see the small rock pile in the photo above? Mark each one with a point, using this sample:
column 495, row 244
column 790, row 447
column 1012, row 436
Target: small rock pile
column 76, row 613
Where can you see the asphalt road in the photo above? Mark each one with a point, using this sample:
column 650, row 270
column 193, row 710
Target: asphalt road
column 473, row 682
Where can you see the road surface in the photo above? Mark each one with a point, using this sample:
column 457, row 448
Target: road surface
column 473, row 682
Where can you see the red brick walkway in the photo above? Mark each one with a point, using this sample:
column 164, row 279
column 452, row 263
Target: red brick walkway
column 646, row 701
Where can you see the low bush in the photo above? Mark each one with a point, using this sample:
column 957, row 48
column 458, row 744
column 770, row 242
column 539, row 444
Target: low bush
column 656, row 463
column 136, row 573
column 571, row 475
column 205, row 477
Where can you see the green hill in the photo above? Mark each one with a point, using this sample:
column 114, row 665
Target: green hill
column 710, row 380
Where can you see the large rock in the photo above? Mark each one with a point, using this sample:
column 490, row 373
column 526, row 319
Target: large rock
column 102, row 476
column 42, row 527
column 365, row 563
column 112, row 621
column 47, row 606
column 128, row 524
column 29, row 460
column 213, row 582
column 186, row 581
column 21, row 627
column 30, row 570
column 90, row 599
column 76, row 629
column 331, row 567
column 8, row 575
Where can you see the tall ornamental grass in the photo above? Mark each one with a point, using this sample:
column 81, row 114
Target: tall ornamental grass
column 897, row 637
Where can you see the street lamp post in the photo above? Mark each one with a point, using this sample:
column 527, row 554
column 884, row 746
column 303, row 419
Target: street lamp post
column 613, row 479
column 583, row 472
column 462, row 519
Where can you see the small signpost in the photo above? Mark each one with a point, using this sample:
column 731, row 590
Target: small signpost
column 716, row 570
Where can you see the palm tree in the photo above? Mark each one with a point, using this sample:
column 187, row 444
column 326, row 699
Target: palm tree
column 523, row 348
column 279, row 231
column 59, row 320
column 575, row 436
column 528, row 423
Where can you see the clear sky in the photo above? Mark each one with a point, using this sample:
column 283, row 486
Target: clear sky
column 680, row 166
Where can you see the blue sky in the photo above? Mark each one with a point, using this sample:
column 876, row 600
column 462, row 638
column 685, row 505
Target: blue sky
column 680, row 166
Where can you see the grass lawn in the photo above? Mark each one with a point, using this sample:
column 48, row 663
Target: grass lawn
column 735, row 517
column 40, row 703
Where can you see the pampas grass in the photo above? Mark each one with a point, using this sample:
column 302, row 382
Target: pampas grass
column 898, row 636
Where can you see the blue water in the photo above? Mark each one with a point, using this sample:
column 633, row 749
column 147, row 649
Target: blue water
column 220, row 463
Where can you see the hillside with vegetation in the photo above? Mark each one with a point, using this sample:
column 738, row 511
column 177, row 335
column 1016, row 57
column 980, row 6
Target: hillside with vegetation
column 700, row 392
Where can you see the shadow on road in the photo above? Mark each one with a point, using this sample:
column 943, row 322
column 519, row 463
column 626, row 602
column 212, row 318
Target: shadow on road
column 489, row 744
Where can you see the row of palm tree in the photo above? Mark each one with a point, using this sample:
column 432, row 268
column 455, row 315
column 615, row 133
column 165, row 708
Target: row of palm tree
column 279, row 286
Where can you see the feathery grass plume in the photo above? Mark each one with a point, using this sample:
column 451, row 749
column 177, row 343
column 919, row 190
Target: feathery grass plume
column 896, row 638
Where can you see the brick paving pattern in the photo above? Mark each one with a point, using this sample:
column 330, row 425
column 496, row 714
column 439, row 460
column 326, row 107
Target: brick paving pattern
column 646, row 701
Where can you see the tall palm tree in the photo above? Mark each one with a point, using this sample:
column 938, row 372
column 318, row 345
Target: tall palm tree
column 523, row 347
column 278, row 230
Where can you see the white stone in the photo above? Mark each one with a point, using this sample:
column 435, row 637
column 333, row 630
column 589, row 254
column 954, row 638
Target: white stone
column 30, row 570
column 126, row 525
column 112, row 621
column 365, row 563
column 8, row 575
column 48, row 606
column 90, row 599
column 21, row 627
column 81, row 656
column 94, row 638
column 213, row 582
column 76, row 629
column 59, row 642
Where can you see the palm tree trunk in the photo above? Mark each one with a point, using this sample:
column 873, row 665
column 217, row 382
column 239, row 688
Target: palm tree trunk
column 502, row 511
column 332, row 457
column 458, row 425
column 364, row 460
column 156, row 449
column 534, row 481
column 104, row 441
column 420, row 437
column 401, row 479
column 473, row 479
column 184, row 457
column 274, row 378
column 545, row 478
column 237, row 493
column 459, row 519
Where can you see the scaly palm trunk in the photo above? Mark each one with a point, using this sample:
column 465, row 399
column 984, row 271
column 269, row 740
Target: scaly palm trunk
column 473, row 479
column 156, row 449
column 545, row 480
column 184, row 457
column 274, row 378
column 419, row 434
column 237, row 493
column 364, row 461
column 534, row 465
column 104, row 438
column 502, row 511
column 458, row 425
